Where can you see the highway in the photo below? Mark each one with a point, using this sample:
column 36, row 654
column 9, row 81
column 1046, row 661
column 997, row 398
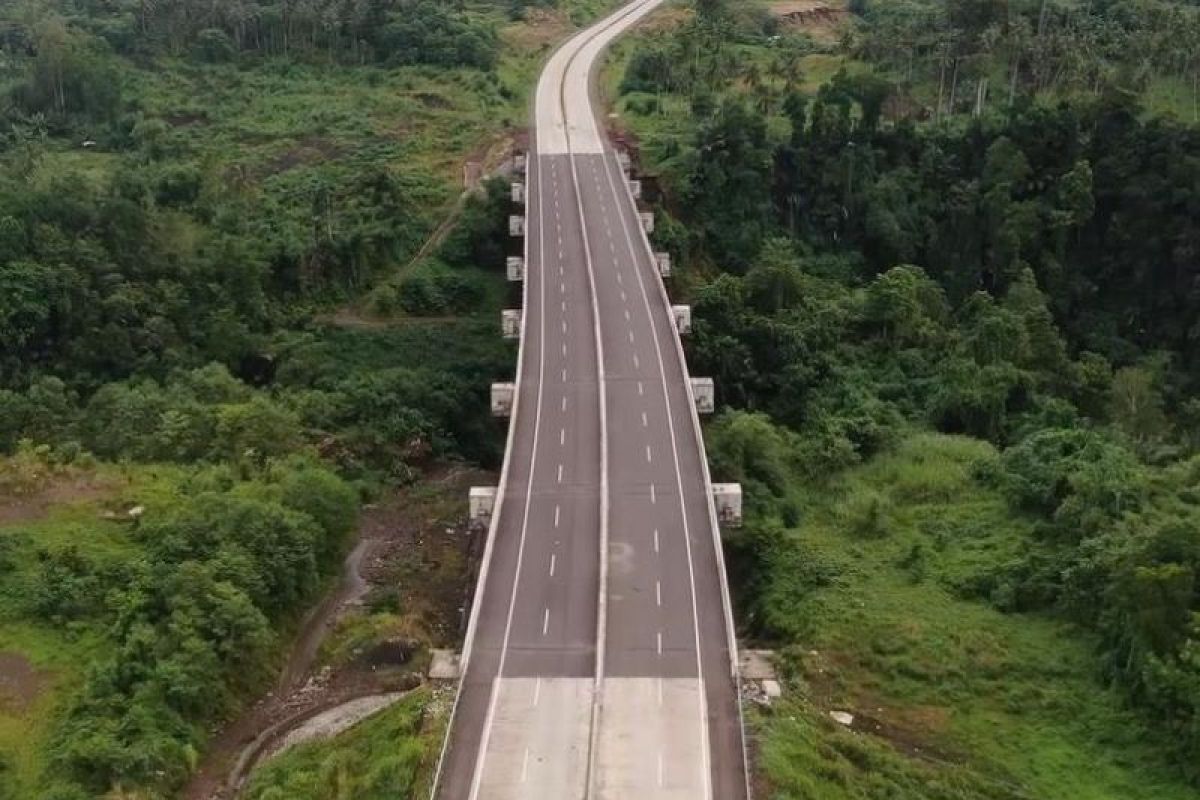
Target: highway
column 599, row 655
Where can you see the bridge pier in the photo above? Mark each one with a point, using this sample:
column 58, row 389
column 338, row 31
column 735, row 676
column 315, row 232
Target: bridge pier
column 510, row 323
column 683, row 319
column 664, row 264
column 516, row 225
column 481, row 501
column 647, row 218
column 502, row 399
column 704, row 395
column 515, row 268
column 727, row 497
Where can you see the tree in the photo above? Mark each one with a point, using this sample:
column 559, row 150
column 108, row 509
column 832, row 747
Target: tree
column 1136, row 404
column 906, row 306
column 258, row 429
column 214, row 46
column 727, row 182
column 327, row 499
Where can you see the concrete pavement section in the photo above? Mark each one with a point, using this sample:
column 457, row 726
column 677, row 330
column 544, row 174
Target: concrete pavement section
column 597, row 672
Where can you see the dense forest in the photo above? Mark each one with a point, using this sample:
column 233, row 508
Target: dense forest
column 188, row 191
column 1019, row 275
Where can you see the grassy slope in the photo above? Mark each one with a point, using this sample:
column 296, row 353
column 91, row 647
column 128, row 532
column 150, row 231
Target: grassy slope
column 953, row 699
column 283, row 126
column 380, row 758
column 61, row 654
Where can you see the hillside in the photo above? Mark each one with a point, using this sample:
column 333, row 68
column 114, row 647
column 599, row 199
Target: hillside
column 952, row 341
column 227, row 330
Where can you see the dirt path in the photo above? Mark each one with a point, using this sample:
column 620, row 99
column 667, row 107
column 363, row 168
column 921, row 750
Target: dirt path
column 350, row 590
column 494, row 159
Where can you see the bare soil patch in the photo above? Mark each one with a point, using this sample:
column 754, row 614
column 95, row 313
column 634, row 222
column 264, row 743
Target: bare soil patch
column 911, row 730
column 186, row 119
column 20, row 682
column 664, row 19
column 33, row 502
column 310, row 150
column 541, row 28
column 431, row 100
column 819, row 18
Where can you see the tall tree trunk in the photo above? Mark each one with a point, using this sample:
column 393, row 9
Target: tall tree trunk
column 937, row 115
column 954, row 87
column 1012, row 84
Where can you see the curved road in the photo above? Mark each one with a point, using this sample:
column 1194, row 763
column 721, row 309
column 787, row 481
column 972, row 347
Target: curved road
column 599, row 660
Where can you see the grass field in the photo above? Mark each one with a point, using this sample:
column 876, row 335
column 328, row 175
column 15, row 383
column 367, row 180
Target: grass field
column 870, row 599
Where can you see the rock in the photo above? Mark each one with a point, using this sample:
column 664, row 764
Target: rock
column 843, row 717
column 772, row 689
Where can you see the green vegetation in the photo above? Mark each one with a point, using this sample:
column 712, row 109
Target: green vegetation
column 875, row 586
column 158, row 619
column 380, row 758
column 970, row 56
column 957, row 348
column 213, row 312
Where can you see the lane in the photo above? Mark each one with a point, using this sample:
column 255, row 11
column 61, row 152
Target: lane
column 523, row 715
column 653, row 730
column 725, row 752
column 600, row 672
column 638, row 716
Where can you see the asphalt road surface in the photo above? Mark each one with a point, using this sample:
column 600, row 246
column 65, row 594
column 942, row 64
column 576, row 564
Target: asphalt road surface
column 599, row 659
